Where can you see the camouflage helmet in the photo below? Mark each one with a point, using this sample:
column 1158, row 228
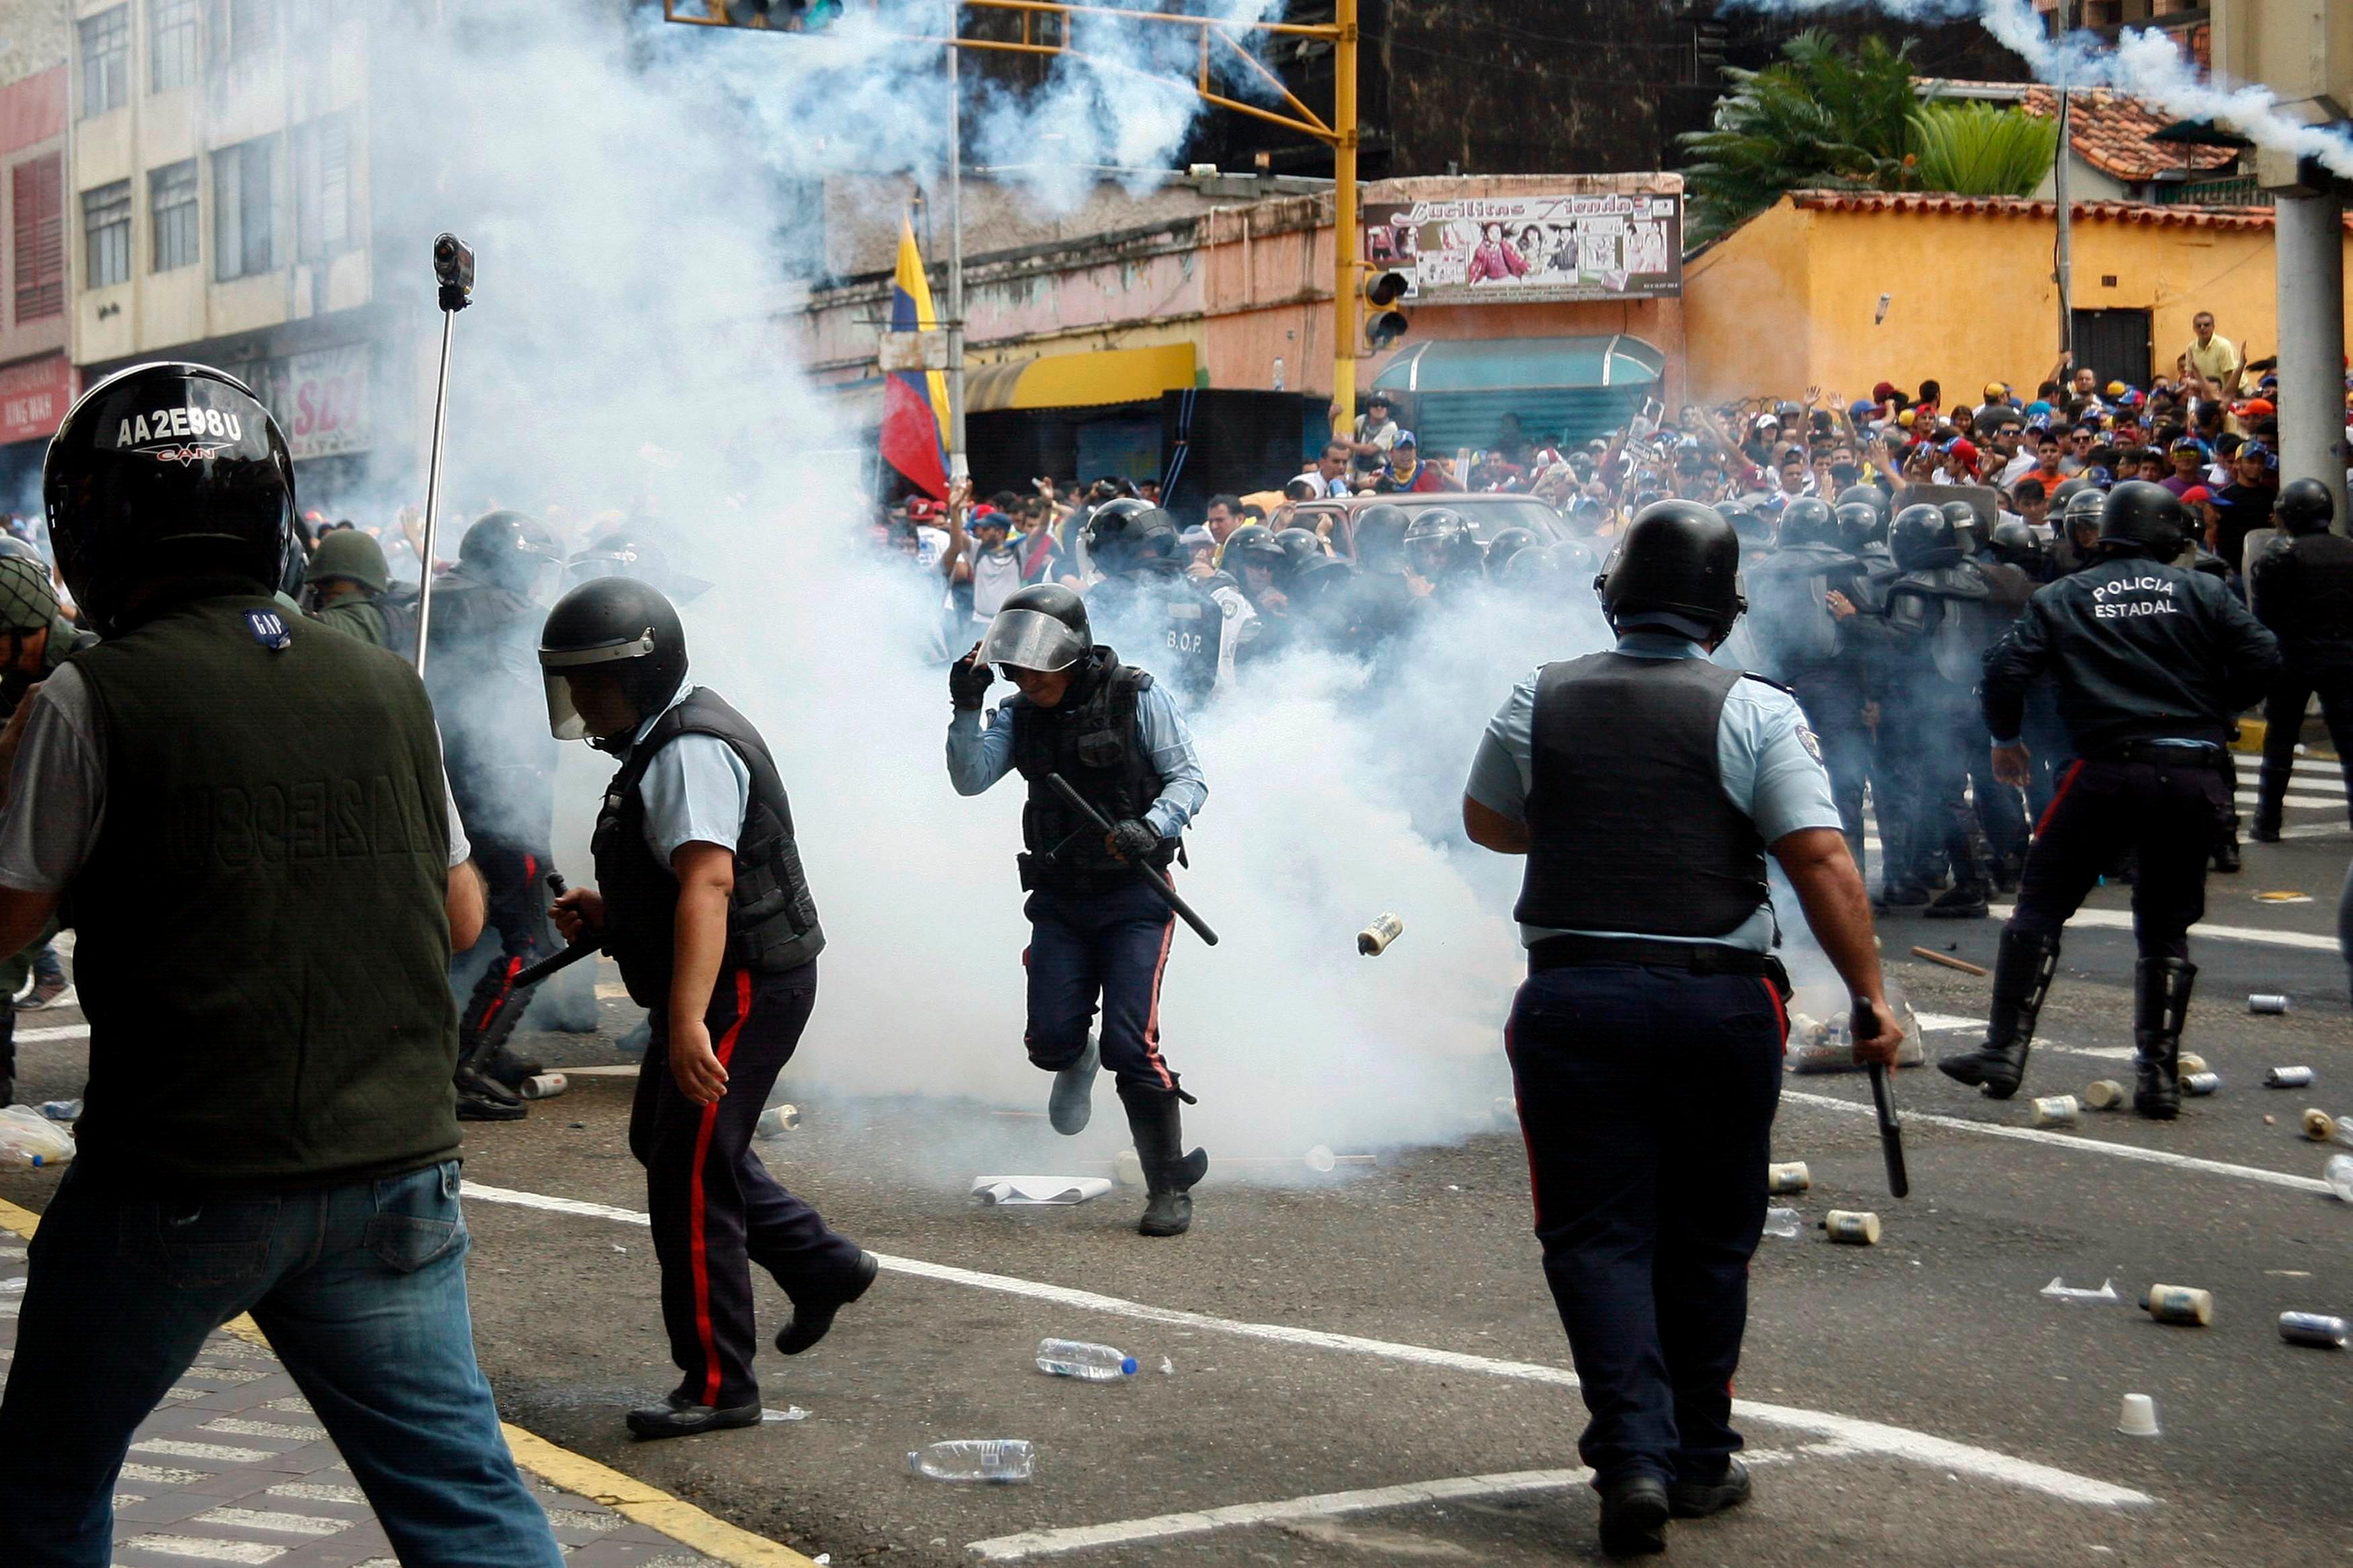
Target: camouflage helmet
column 28, row 600
column 348, row 553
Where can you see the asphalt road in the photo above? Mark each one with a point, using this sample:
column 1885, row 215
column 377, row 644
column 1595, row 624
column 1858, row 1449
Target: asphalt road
column 1388, row 1328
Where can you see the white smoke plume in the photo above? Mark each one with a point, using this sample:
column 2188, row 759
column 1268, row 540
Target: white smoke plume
column 2146, row 62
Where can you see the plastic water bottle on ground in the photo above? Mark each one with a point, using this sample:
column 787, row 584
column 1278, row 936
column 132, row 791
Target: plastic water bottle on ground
column 30, row 1138
column 1090, row 1364
column 1001, row 1459
column 2340, row 1176
column 1781, row 1223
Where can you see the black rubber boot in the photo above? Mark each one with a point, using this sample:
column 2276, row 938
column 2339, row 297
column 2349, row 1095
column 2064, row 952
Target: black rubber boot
column 1170, row 1173
column 1963, row 901
column 2226, row 850
column 2022, row 970
column 1073, row 1101
column 2160, row 1007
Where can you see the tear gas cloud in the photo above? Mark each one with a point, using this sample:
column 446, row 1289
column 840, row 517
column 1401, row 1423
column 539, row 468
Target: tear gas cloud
column 611, row 180
column 2143, row 61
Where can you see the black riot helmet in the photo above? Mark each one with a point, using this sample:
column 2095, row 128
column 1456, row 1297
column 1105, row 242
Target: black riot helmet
column 163, row 472
column 2084, row 508
column 1042, row 627
column 1379, row 534
column 2016, row 543
column 1254, row 544
column 1965, row 521
column 1859, row 524
column 634, row 554
column 1439, row 544
column 1871, row 495
column 2143, row 519
column 1922, row 536
column 615, row 630
column 2069, row 489
column 2305, row 507
column 1807, row 522
column 513, row 549
column 1302, row 547
column 1128, row 536
column 1680, row 558
column 1507, row 543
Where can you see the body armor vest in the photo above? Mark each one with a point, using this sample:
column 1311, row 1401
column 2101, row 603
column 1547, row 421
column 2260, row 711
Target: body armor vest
column 771, row 924
column 1636, row 837
column 1093, row 740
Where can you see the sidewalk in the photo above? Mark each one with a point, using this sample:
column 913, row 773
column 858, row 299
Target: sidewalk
column 233, row 1468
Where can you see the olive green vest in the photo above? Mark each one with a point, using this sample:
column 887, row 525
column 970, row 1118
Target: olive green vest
column 263, row 949
column 357, row 617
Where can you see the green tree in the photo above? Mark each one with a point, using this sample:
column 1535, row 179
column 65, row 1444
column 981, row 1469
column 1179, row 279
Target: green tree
column 1977, row 149
column 1819, row 116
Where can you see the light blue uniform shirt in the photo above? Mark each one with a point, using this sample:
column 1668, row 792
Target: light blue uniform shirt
column 978, row 757
column 1770, row 763
column 695, row 790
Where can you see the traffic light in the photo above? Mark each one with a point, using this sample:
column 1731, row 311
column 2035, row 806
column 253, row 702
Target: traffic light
column 782, row 16
column 1384, row 326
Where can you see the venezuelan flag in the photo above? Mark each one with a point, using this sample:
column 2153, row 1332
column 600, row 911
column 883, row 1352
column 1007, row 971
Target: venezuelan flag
column 915, row 403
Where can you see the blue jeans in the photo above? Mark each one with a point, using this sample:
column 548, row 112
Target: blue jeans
column 361, row 1290
column 1647, row 1099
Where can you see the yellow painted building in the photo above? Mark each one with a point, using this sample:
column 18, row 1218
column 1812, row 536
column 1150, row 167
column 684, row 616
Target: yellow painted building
column 1791, row 299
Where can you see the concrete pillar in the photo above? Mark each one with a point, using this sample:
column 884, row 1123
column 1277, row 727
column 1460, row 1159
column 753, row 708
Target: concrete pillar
column 2311, row 261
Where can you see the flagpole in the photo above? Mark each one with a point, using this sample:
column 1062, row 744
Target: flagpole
column 958, row 467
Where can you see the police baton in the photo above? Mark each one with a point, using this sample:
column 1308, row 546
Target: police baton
column 1153, row 879
column 1865, row 1024
column 453, row 269
column 571, row 956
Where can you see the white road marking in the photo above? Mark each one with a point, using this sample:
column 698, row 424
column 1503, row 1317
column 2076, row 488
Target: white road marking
column 1938, row 1023
column 162, row 1475
column 1127, row 1532
column 55, row 1032
column 2121, row 920
column 312, row 1491
column 1875, row 1437
column 209, row 1549
column 172, row 1448
column 2294, row 801
column 293, row 1404
column 230, row 1427
column 228, row 1375
column 276, row 1523
column 2080, row 1146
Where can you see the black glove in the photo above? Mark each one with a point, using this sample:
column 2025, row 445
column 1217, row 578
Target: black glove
column 1134, row 841
column 968, row 681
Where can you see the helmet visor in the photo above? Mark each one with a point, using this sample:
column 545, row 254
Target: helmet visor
column 565, row 720
column 1031, row 639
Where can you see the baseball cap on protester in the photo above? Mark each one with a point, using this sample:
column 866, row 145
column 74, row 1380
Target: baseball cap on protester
column 2260, row 452
column 2257, row 407
column 1886, row 390
column 1406, row 438
column 2196, row 495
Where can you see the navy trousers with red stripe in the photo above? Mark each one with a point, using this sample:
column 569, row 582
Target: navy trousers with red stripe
column 2170, row 816
column 716, row 1210
column 1647, row 1099
column 1111, row 945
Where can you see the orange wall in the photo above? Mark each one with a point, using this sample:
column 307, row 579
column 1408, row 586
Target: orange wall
column 1785, row 302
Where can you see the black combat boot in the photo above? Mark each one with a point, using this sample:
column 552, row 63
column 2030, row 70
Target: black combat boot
column 2023, row 970
column 1073, row 1101
column 489, row 1074
column 1170, row 1173
column 2226, row 847
column 2160, row 1007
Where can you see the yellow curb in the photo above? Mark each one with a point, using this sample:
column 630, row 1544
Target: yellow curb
column 632, row 1499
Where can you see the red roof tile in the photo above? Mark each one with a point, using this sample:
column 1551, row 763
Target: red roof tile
column 2111, row 132
column 2150, row 212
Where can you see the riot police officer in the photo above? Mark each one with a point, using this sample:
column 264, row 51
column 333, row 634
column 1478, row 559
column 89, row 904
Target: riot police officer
column 2303, row 590
column 349, row 587
column 1442, row 552
column 482, row 671
column 1804, row 646
column 701, row 899
column 268, row 1125
column 2153, row 664
column 1182, row 632
column 1261, row 566
column 1646, row 785
column 1097, row 932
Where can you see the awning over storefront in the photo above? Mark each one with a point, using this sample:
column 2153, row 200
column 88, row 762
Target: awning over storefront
column 1456, row 391
column 1080, row 380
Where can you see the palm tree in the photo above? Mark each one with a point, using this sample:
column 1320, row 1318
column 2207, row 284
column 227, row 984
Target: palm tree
column 1818, row 116
column 1978, row 149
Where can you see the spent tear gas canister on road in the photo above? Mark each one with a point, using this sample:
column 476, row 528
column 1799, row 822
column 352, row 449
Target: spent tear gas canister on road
column 1854, row 1228
column 1792, row 1177
column 2266, row 1002
column 2106, row 1095
column 2315, row 1329
column 2288, row 1078
column 2179, row 1304
column 2200, row 1082
column 2058, row 1110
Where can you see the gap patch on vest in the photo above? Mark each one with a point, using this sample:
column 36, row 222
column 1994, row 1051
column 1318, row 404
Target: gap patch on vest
column 269, row 629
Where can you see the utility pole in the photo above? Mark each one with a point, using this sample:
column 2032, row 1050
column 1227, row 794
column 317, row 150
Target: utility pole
column 1346, row 232
column 2064, row 256
column 959, row 465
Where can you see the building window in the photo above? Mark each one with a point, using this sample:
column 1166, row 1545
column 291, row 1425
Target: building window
column 37, row 196
column 106, row 233
column 105, row 61
column 244, row 208
column 252, row 25
column 322, row 186
column 171, row 44
column 172, row 214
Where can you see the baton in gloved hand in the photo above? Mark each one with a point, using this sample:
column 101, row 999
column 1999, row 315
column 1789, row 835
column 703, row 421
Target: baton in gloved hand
column 571, row 956
column 1865, row 1023
column 1153, row 879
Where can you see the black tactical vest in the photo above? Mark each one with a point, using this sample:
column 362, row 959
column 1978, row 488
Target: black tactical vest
column 772, row 922
column 2303, row 593
column 1089, row 738
column 264, row 948
column 1635, row 834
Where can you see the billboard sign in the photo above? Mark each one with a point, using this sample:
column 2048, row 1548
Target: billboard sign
column 1490, row 249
